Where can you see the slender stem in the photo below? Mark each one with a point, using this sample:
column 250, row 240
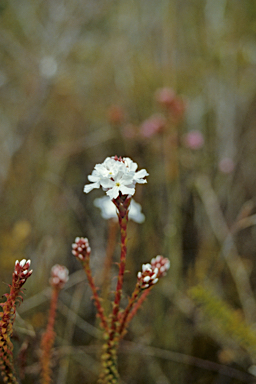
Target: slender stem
column 97, row 300
column 109, row 357
column 132, row 311
column 124, row 317
column 123, row 229
column 48, row 339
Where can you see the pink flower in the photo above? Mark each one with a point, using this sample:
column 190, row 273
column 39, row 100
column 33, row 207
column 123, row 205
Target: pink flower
column 193, row 140
column 153, row 125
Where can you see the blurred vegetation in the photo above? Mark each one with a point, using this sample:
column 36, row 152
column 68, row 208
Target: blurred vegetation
column 78, row 83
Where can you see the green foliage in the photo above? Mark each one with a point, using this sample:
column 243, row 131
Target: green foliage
column 228, row 323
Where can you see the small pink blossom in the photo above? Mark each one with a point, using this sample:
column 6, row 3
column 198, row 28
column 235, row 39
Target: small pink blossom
column 193, row 140
column 153, row 125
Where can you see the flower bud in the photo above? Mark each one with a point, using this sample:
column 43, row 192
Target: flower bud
column 59, row 276
column 81, row 248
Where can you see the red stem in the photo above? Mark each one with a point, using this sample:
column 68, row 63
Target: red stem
column 124, row 318
column 48, row 338
column 135, row 309
column 123, row 228
column 95, row 293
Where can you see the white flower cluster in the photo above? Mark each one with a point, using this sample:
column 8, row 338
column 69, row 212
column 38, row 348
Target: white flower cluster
column 59, row 275
column 108, row 209
column 148, row 276
column 116, row 175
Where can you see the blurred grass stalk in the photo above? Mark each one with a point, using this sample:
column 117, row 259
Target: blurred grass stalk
column 228, row 247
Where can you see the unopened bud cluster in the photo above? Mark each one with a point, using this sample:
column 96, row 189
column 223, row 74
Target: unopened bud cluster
column 21, row 272
column 148, row 276
column 153, row 271
column 162, row 264
column 81, row 248
column 59, row 276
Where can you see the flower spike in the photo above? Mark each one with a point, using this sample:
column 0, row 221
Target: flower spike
column 59, row 276
column 20, row 274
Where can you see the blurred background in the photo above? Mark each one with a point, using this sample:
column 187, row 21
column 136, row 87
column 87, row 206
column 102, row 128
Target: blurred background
column 172, row 85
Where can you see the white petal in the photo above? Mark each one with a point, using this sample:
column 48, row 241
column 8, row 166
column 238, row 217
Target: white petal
column 107, row 183
column 89, row 187
column 94, row 179
column 126, row 191
column 23, row 262
column 113, row 193
column 146, row 267
column 141, row 173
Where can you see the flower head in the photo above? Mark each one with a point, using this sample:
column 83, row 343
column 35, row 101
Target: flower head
column 108, row 209
column 116, row 176
column 59, row 276
column 21, row 272
column 148, row 276
column 162, row 264
column 81, row 248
